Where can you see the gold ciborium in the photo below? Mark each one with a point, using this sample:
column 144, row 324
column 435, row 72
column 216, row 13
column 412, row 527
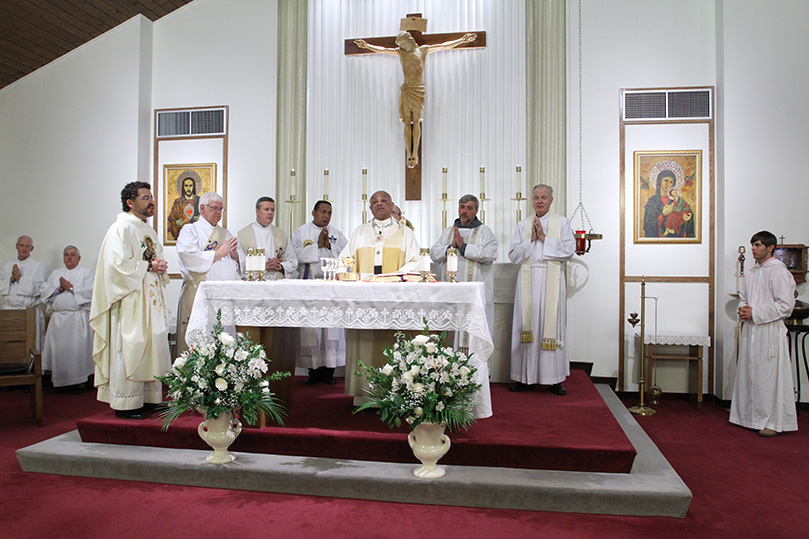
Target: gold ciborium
column 350, row 274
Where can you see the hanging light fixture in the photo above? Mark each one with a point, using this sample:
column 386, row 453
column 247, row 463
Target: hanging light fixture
column 585, row 234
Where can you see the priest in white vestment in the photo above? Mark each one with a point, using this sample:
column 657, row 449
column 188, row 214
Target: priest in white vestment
column 379, row 247
column 321, row 349
column 541, row 245
column 383, row 245
column 128, row 312
column 477, row 251
column 68, row 350
column 262, row 234
column 763, row 397
column 206, row 252
column 20, row 280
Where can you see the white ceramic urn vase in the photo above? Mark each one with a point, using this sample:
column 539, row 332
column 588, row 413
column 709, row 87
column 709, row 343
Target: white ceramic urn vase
column 429, row 443
column 219, row 433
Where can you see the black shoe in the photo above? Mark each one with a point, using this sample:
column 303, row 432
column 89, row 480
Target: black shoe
column 327, row 375
column 558, row 389
column 149, row 406
column 331, row 381
column 131, row 414
column 519, row 387
column 312, row 379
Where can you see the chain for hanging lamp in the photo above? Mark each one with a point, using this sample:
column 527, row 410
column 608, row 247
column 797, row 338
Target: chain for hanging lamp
column 585, row 235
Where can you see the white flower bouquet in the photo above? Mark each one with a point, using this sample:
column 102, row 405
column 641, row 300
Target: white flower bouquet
column 221, row 373
column 423, row 381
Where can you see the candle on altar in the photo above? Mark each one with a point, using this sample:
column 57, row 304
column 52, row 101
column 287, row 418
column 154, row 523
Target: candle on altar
column 482, row 180
column 326, row 184
column 452, row 260
column 444, row 177
column 424, row 260
column 364, row 181
column 519, row 179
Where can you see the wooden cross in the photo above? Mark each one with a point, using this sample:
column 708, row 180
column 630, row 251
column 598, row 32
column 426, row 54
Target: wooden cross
column 415, row 25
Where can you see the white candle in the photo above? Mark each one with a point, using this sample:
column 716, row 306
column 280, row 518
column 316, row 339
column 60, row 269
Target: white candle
column 482, row 176
column 519, row 179
column 444, row 177
column 452, row 262
column 326, row 184
column 424, row 261
column 365, row 181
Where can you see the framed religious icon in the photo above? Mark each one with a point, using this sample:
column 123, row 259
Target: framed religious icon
column 182, row 187
column 668, row 196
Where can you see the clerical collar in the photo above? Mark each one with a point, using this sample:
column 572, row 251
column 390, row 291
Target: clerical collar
column 474, row 223
column 262, row 227
column 382, row 225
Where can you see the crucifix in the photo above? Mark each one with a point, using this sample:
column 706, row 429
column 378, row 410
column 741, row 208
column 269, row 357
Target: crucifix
column 411, row 45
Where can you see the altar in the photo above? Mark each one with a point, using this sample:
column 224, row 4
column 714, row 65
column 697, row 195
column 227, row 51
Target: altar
column 353, row 305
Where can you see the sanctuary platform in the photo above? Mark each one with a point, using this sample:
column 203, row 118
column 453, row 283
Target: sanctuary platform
column 478, row 473
column 534, row 430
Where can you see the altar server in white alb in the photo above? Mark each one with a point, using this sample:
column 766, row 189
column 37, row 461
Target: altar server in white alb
column 477, row 250
column 128, row 312
column 262, row 234
column 206, row 252
column 321, row 349
column 68, row 350
column 383, row 245
column 20, row 280
column 763, row 397
column 541, row 245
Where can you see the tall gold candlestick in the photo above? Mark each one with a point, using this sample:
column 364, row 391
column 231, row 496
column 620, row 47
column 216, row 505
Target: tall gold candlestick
column 326, row 185
column 482, row 194
column 519, row 198
column 364, row 195
column 444, row 199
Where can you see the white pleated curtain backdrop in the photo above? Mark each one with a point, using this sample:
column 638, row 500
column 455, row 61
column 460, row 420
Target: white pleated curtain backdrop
column 474, row 113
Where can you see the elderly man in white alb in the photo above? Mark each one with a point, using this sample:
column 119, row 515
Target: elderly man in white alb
column 383, row 245
column 68, row 350
column 379, row 247
column 541, row 245
column 477, row 251
column 128, row 312
column 321, row 349
column 206, row 252
column 20, row 280
column 262, row 234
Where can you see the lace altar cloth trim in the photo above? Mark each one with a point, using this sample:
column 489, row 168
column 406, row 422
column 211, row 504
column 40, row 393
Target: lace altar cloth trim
column 352, row 305
column 683, row 340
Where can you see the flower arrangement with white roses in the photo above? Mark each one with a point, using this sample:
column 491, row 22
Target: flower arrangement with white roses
column 223, row 374
column 423, row 381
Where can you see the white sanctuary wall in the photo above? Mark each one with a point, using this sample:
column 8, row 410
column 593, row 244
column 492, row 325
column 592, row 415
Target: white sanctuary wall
column 763, row 139
column 69, row 140
column 625, row 44
column 213, row 53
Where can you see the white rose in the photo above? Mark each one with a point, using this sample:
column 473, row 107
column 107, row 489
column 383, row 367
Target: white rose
column 220, row 369
column 430, row 347
column 226, row 339
column 420, row 340
column 418, row 412
column 387, row 370
column 179, row 363
column 241, row 354
column 221, row 384
column 418, row 388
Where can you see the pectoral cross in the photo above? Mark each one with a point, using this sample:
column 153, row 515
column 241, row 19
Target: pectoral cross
column 412, row 47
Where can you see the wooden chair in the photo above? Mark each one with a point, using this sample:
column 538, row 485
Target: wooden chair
column 20, row 361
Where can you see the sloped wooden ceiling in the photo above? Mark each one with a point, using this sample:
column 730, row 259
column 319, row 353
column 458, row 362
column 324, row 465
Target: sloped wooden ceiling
column 36, row 32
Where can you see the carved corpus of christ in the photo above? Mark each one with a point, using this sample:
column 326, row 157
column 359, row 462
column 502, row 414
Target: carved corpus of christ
column 412, row 92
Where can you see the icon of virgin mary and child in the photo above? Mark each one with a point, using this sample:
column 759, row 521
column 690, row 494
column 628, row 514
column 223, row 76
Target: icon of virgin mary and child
column 667, row 214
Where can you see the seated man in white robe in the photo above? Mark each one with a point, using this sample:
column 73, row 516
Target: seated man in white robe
column 541, row 245
column 206, row 252
column 378, row 247
column 477, row 251
column 128, row 312
column 321, row 349
column 262, row 234
column 68, row 350
column 20, row 280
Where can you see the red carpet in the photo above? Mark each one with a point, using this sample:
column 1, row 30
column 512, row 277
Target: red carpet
column 534, row 430
column 744, row 486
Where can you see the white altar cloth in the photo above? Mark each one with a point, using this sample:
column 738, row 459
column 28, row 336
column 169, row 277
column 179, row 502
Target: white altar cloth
column 353, row 305
column 676, row 340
